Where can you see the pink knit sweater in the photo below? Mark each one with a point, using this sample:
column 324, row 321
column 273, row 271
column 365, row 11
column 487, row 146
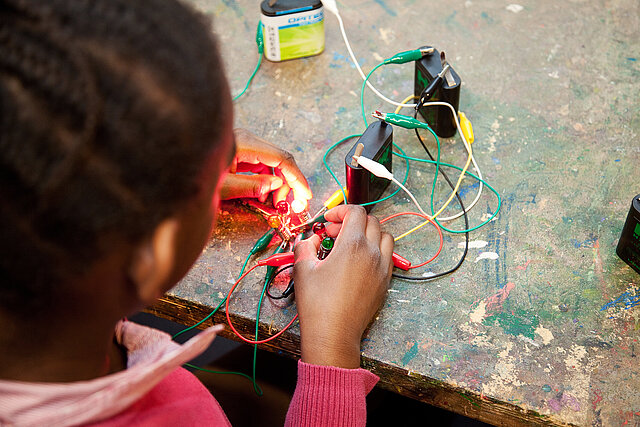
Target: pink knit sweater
column 156, row 391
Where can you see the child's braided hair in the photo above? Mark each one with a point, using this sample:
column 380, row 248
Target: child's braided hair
column 108, row 109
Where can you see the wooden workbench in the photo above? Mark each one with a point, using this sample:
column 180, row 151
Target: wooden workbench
column 547, row 332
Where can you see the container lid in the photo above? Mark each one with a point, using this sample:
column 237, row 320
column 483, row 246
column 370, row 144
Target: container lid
column 285, row 7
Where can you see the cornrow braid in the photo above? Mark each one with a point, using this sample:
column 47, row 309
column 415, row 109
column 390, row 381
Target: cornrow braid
column 108, row 109
column 57, row 82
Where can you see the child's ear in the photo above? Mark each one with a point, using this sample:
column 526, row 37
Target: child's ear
column 153, row 261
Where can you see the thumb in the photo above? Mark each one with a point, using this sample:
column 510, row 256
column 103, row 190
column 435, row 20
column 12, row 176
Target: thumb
column 257, row 186
column 306, row 253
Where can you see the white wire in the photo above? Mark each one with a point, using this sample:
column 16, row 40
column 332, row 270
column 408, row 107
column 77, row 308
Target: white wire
column 399, row 184
column 334, row 9
column 379, row 170
column 475, row 201
column 473, row 160
column 355, row 61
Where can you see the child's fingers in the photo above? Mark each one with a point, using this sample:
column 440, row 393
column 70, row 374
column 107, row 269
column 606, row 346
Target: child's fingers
column 256, row 186
column 333, row 229
column 373, row 230
column 281, row 194
column 306, row 253
column 352, row 217
column 386, row 250
column 253, row 149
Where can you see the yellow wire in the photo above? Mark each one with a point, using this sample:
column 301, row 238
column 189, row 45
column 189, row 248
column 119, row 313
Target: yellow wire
column 455, row 190
column 404, row 101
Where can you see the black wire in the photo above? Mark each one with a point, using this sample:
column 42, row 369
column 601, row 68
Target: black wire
column 466, row 222
column 273, row 277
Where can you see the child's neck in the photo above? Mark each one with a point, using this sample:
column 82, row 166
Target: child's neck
column 48, row 353
column 74, row 340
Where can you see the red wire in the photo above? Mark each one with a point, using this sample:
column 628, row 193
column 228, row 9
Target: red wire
column 428, row 219
column 249, row 341
column 226, row 308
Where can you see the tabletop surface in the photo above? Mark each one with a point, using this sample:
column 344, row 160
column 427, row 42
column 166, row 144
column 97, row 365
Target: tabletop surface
column 540, row 324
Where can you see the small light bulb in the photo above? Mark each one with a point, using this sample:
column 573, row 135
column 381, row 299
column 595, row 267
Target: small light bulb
column 319, row 229
column 297, row 206
column 282, row 207
column 274, row 221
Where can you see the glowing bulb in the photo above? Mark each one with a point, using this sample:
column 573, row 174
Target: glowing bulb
column 274, row 221
column 282, row 207
column 298, row 206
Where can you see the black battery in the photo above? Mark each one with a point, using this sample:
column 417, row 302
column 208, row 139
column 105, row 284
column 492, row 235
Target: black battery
column 438, row 117
column 362, row 185
column 629, row 245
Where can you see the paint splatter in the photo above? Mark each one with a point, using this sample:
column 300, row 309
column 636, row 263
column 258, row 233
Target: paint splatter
column 492, row 303
column 338, row 56
column 486, row 17
column 467, row 188
column 545, row 334
column 564, row 400
column 479, row 313
column 576, row 354
column 386, row 7
column 475, row 244
column 515, row 8
column 487, row 255
column 409, row 355
column 598, row 398
column 520, row 322
column 589, row 243
column 387, row 35
column 496, row 300
column 202, row 288
column 627, row 300
column 231, row 4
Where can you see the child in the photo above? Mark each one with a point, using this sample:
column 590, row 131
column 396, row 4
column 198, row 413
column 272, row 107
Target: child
column 115, row 147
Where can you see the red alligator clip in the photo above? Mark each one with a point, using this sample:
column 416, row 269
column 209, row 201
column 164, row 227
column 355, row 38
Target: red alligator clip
column 277, row 260
column 400, row 262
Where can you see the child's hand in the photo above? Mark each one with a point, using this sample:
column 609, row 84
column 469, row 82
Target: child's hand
column 338, row 296
column 254, row 154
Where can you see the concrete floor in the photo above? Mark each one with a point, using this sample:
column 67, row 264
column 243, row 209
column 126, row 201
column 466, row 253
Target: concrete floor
column 276, row 376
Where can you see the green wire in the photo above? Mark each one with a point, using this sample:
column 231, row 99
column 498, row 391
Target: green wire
column 256, row 387
column 407, row 158
column 250, row 79
column 435, row 180
column 215, row 309
column 255, row 346
column 415, row 159
column 404, row 156
column 364, row 83
column 200, row 322
column 217, row 372
column 435, row 177
column 335, row 178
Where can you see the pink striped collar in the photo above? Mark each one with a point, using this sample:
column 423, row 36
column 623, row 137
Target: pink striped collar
column 151, row 356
